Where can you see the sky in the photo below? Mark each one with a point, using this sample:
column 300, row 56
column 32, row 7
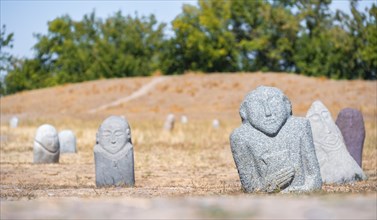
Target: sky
column 25, row 18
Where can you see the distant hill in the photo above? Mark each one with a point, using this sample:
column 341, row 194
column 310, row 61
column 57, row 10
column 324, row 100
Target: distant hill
column 199, row 96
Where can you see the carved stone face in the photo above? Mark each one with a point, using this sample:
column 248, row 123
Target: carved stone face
column 113, row 134
column 324, row 129
column 47, row 136
column 266, row 109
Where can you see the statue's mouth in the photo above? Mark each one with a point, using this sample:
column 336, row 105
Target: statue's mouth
column 269, row 121
column 331, row 142
column 331, row 139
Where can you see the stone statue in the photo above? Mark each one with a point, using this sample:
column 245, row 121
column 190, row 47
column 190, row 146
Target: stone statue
column 337, row 165
column 215, row 124
column 46, row 145
column 67, row 142
column 351, row 124
column 169, row 122
column 184, row 119
column 113, row 153
column 272, row 149
column 13, row 122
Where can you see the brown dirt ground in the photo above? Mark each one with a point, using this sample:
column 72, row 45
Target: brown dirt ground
column 193, row 160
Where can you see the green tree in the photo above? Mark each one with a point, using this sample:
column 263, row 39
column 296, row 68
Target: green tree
column 6, row 42
column 363, row 31
column 129, row 46
column 75, row 51
column 266, row 34
column 202, row 40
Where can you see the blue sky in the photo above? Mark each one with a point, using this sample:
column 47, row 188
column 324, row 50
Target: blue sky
column 26, row 17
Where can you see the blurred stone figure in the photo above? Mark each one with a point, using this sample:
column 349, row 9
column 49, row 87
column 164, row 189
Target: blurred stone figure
column 216, row 123
column 13, row 122
column 67, row 142
column 351, row 124
column 184, row 119
column 46, row 145
column 272, row 149
column 337, row 165
column 169, row 122
column 113, row 153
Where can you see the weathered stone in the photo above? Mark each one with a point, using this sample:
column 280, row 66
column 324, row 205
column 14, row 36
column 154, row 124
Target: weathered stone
column 113, row 153
column 46, row 145
column 216, row 123
column 272, row 149
column 184, row 119
column 169, row 122
column 351, row 124
column 337, row 165
column 13, row 122
column 67, row 141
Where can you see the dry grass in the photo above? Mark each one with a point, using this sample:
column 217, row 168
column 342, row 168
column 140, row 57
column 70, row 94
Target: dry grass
column 194, row 159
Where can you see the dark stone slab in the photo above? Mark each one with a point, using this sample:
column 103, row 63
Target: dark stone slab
column 351, row 124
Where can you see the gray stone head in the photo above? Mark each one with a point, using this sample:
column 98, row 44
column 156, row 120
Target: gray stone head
column 325, row 131
column 169, row 122
column 67, row 140
column 47, row 137
column 113, row 134
column 266, row 109
column 184, row 119
column 216, row 123
column 13, row 122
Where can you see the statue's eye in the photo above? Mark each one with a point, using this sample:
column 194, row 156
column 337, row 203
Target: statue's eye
column 315, row 117
column 119, row 134
column 274, row 101
column 325, row 115
column 106, row 134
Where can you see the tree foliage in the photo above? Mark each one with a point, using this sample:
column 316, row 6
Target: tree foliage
column 300, row 36
column 6, row 42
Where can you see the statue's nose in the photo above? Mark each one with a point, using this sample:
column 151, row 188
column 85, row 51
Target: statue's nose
column 267, row 110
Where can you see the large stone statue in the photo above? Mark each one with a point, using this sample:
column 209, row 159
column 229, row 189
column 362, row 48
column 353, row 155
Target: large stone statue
column 337, row 165
column 273, row 150
column 113, row 153
column 46, row 145
column 351, row 124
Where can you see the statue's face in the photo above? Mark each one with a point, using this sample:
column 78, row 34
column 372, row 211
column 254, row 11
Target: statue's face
column 324, row 129
column 267, row 110
column 113, row 135
column 48, row 137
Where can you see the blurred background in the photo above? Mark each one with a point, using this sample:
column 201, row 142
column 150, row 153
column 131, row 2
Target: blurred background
column 47, row 43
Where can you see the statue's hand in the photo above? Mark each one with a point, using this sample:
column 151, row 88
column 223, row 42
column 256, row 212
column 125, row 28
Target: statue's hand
column 277, row 180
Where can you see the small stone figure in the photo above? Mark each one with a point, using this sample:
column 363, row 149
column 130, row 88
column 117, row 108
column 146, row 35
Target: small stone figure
column 351, row 124
column 13, row 122
column 272, row 149
column 216, row 124
column 67, row 142
column 46, row 145
column 337, row 165
column 184, row 119
column 113, row 153
column 169, row 122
